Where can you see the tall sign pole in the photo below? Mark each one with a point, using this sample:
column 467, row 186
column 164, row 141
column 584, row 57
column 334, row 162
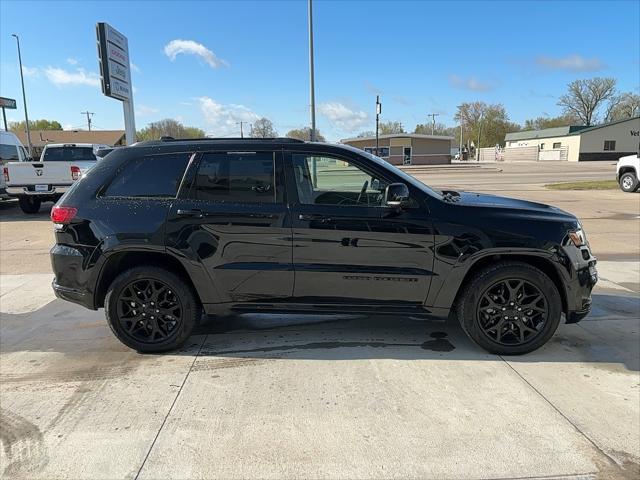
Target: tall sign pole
column 115, row 73
column 24, row 95
column 378, row 112
column 312, row 93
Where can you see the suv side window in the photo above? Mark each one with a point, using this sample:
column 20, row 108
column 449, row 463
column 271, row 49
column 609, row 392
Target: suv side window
column 152, row 176
column 325, row 180
column 247, row 177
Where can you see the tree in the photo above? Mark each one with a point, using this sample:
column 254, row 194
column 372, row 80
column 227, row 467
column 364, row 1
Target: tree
column 366, row 133
column 263, row 128
column 439, row 129
column 305, row 134
column 168, row 128
column 390, row 127
column 550, row 122
column 488, row 122
column 585, row 98
column 35, row 125
column 624, row 106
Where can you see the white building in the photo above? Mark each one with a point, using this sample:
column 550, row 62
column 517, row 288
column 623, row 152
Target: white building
column 576, row 143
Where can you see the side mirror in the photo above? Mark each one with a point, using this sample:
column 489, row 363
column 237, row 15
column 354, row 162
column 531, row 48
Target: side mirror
column 397, row 195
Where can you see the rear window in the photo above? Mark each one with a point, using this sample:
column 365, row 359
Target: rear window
column 9, row 153
column 69, row 154
column 152, row 176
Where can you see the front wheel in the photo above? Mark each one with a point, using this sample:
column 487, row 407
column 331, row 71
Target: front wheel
column 510, row 308
column 151, row 309
column 628, row 182
column 29, row 204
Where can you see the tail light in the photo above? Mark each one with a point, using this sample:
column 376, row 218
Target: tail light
column 5, row 172
column 75, row 172
column 63, row 215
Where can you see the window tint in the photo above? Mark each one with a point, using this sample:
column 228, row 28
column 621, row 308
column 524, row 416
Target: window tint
column 323, row 180
column 153, row 176
column 610, row 145
column 69, row 154
column 242, row 177
column 9, row 153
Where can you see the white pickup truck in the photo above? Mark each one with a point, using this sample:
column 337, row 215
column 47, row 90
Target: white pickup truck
column 628, row 173
column 60, row 165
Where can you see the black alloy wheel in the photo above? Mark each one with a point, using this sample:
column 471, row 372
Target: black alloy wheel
column 512, row 312
column 149, row 311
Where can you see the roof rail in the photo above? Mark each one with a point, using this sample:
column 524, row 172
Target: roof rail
column 232, row 139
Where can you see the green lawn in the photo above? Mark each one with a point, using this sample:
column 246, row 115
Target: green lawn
column 585, row 185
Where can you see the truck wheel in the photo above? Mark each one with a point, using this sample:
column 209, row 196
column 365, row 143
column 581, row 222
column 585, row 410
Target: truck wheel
column 510, row 308
column 628, row 182
column 151, row 310
column 29, row 204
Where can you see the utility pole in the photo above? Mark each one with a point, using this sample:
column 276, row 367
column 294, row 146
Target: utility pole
column 24, row 95
column 312, row 93
column 479, row 131
column 241, row 129
column 88, row 114
column 378, row 112
column 433, row 123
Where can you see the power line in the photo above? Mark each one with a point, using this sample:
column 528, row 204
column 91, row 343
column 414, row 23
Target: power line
column 88, row 114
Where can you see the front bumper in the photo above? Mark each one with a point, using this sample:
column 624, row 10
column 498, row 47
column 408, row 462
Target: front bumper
column 583, row 276
column 19, row 190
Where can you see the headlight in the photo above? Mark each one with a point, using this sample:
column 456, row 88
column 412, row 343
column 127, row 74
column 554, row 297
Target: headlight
column 578, row 238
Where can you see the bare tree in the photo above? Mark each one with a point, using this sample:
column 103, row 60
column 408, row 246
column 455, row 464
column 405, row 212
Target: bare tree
column 305, row 134
column 624, row 106
column 390, row 127
column 263, row 128
column 585, row 98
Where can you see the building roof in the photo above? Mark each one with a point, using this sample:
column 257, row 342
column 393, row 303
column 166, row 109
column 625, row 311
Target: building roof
column 39, row 138
column 397, row 135
column 560, row 131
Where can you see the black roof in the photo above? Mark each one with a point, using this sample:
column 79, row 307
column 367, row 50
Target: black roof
column 222, row 140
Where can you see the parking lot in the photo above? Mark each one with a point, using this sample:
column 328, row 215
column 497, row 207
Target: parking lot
column 267, row 396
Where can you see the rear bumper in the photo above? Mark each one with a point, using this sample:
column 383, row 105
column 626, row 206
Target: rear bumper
column 81, row 297
column 19, row 190
column 74, row 280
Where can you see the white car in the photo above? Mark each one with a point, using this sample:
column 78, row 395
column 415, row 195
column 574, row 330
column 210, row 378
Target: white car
column 11, row 150
column 628, row 173
column 60, row 165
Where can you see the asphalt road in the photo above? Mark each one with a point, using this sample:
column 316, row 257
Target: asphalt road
column 268, row 396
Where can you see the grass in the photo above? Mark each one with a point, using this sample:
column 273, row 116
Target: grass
column 585, row 185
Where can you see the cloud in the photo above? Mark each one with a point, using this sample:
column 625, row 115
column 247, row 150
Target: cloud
column 72, row 61
column 572, row 63
column 144, row 110
column 189, row 47
column 343, row 117
column 60, row 77
column 371, row 88
column 135, row 67
column 401, row 100
column 222, row 120
column 31, row 72
column 470, row 83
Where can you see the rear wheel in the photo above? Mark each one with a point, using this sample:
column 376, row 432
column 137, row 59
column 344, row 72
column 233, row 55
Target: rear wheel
column 628, row 182
column 29, row 204
column 151, row 309
column 510, row 308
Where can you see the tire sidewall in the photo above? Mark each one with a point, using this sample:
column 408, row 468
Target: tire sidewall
column 634, row 183
column 190, row 309
column 29, row 205
column 479, row 285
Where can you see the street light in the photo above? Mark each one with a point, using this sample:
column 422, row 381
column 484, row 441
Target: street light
column 24, row 95
column 378, row 112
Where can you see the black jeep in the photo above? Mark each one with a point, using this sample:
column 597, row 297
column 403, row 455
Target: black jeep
column 161, row 231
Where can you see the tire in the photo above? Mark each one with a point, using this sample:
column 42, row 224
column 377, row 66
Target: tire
column 29, row 204
column 628, row 182
column 128, row 324
column 525, row 328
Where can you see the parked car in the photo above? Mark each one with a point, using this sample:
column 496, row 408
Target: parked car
column 163, row 230
column 60, row 165
column 628, row 173
column 11, row 150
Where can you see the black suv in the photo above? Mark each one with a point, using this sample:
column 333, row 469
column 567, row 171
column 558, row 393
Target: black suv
column 161, row 231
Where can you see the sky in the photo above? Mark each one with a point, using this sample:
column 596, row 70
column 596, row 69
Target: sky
column 214, row 64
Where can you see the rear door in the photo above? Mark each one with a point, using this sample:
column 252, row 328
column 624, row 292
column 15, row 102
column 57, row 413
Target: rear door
column 232, row 219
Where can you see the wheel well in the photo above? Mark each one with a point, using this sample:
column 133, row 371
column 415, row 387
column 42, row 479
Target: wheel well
column 624, row 170
column 540, row 263
column 119, row 262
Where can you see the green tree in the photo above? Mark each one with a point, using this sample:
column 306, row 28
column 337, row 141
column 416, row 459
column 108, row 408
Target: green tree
column 390, row 127
column 366, row 133
column 488, row 123
column 305, row 134
column 263, row 128
column 586, row 98
column 540, row 123
column 35, row 125
column 439, row 129
column 168, row 128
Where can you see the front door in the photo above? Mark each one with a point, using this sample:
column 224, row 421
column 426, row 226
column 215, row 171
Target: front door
column 232, row 221
column 348, row 247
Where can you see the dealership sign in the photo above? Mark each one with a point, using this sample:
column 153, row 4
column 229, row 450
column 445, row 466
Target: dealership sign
column 9, row 103
column 113, row 54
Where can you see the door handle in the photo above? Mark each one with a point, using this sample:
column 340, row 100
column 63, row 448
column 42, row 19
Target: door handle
column 190, row 213
column 313, row 216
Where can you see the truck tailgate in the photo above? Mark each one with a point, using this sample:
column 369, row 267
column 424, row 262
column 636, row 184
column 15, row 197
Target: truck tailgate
column 35, row 173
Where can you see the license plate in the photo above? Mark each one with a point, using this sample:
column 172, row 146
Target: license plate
column 42, row 188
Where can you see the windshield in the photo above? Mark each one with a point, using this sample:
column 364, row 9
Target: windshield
column 69, row 154
column 9, row 153
column 405, row 176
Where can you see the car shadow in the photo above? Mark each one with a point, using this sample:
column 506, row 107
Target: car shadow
column 10, row 212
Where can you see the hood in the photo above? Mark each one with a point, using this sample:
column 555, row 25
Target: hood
column 486, row 200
